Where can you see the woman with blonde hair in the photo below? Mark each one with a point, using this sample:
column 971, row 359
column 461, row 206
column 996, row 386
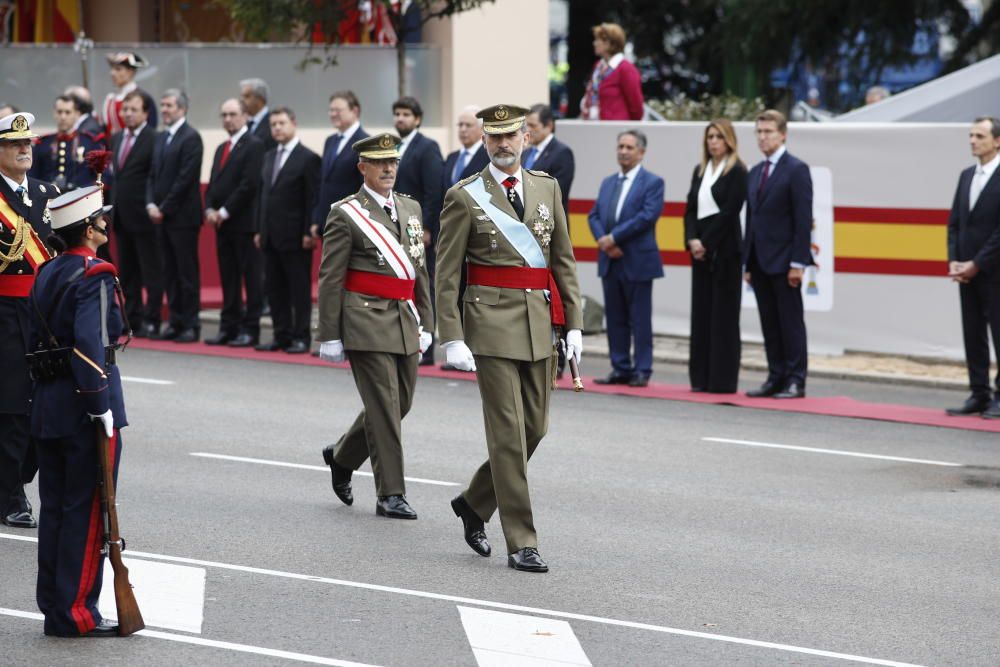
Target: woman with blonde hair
column 713, row 237
column 614, row 91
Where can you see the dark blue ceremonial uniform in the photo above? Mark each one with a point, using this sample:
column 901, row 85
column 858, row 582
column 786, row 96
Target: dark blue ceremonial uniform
column 86, row 317
column 61, row 159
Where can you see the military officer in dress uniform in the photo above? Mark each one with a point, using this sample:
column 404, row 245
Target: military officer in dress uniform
column 77, row 319
column 506, row 226
column 24, row 228
column 375, row 307
column 60, row 157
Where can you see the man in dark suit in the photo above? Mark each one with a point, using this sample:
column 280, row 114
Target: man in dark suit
column 547, row 153
column 419, row 176
column 173, row 200
column 339, row 176
column 24, row 226
column 83, row 101
column 472, row 157
column 974, row 262
column 623, row 221
column 778, row 227
column 289, row 185
column 140, row 260
column 231, row 207
column 254, row 94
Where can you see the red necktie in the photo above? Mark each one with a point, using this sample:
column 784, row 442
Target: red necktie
column 225, row 154
column 126, row 147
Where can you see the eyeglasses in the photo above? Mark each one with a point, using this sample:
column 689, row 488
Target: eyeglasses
column 94, row 226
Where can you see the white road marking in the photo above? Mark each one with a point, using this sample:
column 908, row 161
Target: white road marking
column 212, row 643
column 302, row 466
column 499, row 639
column 170, row 596
column 503, row 605
column 839, row 452
column 129, row 378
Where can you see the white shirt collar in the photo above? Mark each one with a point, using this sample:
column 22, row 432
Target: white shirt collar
column 774, row 157
column 136, row 131
column 501, row 176
column 260, row 116
column 290, row 146
column 990, row 166
column 379, row 199
column 237, row 135
column 470, row 150
column 406, row 142
column 631, row 173
column 540, row 148
column 349, row 132
column 615, row 60
column 14, row 185
column 176, row 125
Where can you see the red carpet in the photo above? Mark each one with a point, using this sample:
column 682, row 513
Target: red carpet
column 836, row 406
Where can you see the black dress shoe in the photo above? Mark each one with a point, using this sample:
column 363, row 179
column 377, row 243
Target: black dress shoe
column 794, row 390
column 765, row 390
column 242, row 340
column 147, row 330
column 187, row 336
column 169, row 333
column 394, row 507
column 614, row 377
column 992, row 412
column 297, row 347
column 527, row 560
column 20, row 518
column 273, row 346
column 341, row 477
column 639, row 381
column 475, row 530
column 974, row 405
column 698, row 390
column 220, row 339
column 105, row 628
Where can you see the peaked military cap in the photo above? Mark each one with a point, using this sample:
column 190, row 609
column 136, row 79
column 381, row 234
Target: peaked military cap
column 77, row 206
column 127, row 58
column 17, row 126
column 384, row 146
column 502, row 118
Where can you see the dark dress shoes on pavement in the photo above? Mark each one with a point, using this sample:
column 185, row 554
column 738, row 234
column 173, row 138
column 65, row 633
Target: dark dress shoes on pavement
column 615, row 377
column 19, row 518
column 242, row 340
column 974, row 405
column 639, row 381
column 793, row 390
column 297, row 347
column 475, row 529
column 527, row 560
column 394, row 507
column 105, row 628
column 766, row 390
column 273, row 346
column 220, row 339
column 341, row 477
column 169, row 333
column 187, row 336
column 992, row 412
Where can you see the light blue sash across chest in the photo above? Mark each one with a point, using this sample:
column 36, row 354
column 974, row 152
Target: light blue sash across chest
column 514, row 230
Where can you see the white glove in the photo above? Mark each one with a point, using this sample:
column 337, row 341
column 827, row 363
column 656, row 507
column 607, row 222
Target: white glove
column 107, row 419
column 574, row 344
column 459, row 355
column 426, row 339
column 332, row 351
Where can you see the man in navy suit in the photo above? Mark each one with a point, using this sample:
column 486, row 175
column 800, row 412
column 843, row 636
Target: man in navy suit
column 974, row 263
column 254, row 94
column 471, row 158
column 547, row 153
column 420, row 177
column 339, row 176
column 775, row 254
column 623, row 221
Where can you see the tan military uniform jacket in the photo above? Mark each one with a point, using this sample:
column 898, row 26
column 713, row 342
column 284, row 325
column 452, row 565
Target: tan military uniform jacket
column 500, row 322
column 364, row 322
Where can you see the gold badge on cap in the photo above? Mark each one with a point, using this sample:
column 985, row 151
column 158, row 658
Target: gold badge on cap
column 20, row 124
column 501, row 113
column 386, row 141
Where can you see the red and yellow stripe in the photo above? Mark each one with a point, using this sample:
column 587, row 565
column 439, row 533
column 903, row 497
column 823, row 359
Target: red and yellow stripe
column 882, row 241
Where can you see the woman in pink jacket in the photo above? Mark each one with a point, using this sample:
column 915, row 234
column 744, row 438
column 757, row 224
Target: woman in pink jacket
column 614, row 91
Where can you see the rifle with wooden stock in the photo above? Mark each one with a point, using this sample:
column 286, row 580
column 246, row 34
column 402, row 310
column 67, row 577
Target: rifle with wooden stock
column 129, row 617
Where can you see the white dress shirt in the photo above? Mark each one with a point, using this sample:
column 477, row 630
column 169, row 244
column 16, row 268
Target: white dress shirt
column 223, row 213
column 626, row 186
column 285, row 150
column 382, row 201
column 256, row 120
column 14, row 185
column 980, row 177
column 706, row 202
column 346, row 135
column 172, row 129
column 501, row 177
column 406, row 143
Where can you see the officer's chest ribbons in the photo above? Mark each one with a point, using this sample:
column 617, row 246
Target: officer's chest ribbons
column 517, row 234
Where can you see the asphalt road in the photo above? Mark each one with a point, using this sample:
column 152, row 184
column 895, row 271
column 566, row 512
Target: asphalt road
column 665, row 548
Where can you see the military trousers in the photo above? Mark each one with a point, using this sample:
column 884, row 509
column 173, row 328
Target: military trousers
column 515, row 396
column 385, row 382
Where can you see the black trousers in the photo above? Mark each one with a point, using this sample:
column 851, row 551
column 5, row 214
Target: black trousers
column 289, row 290
column 18, row 463
column 140, row 266
column 782, row 320
column 716, row 290
column 70, row 531
column 239, row 268
column 181, row 275
column 980, row 315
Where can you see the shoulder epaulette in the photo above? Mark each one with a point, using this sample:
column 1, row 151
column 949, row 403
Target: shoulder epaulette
column 402, row 194
column 535, row 172
column 98, row 267
column 96, row 138
column 468, row 179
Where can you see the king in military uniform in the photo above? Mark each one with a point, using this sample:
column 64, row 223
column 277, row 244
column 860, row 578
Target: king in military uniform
column 506, row 226
column 24, row 227
column 60, row 157
column 375, row 308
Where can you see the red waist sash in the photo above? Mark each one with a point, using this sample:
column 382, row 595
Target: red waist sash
column 16, row 285
column 377, row 284
column 520, row 277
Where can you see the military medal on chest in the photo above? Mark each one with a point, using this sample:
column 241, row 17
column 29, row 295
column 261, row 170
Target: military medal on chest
column 415, row 232
column 543, row 225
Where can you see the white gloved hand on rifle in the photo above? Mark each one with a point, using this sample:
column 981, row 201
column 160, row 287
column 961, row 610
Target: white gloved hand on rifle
column 107, row 420
column 459, row 355
column 332, row 351
column 574, row 344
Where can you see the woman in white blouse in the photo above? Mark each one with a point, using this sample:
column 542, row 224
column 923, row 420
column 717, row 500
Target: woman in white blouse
column 712, row 233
